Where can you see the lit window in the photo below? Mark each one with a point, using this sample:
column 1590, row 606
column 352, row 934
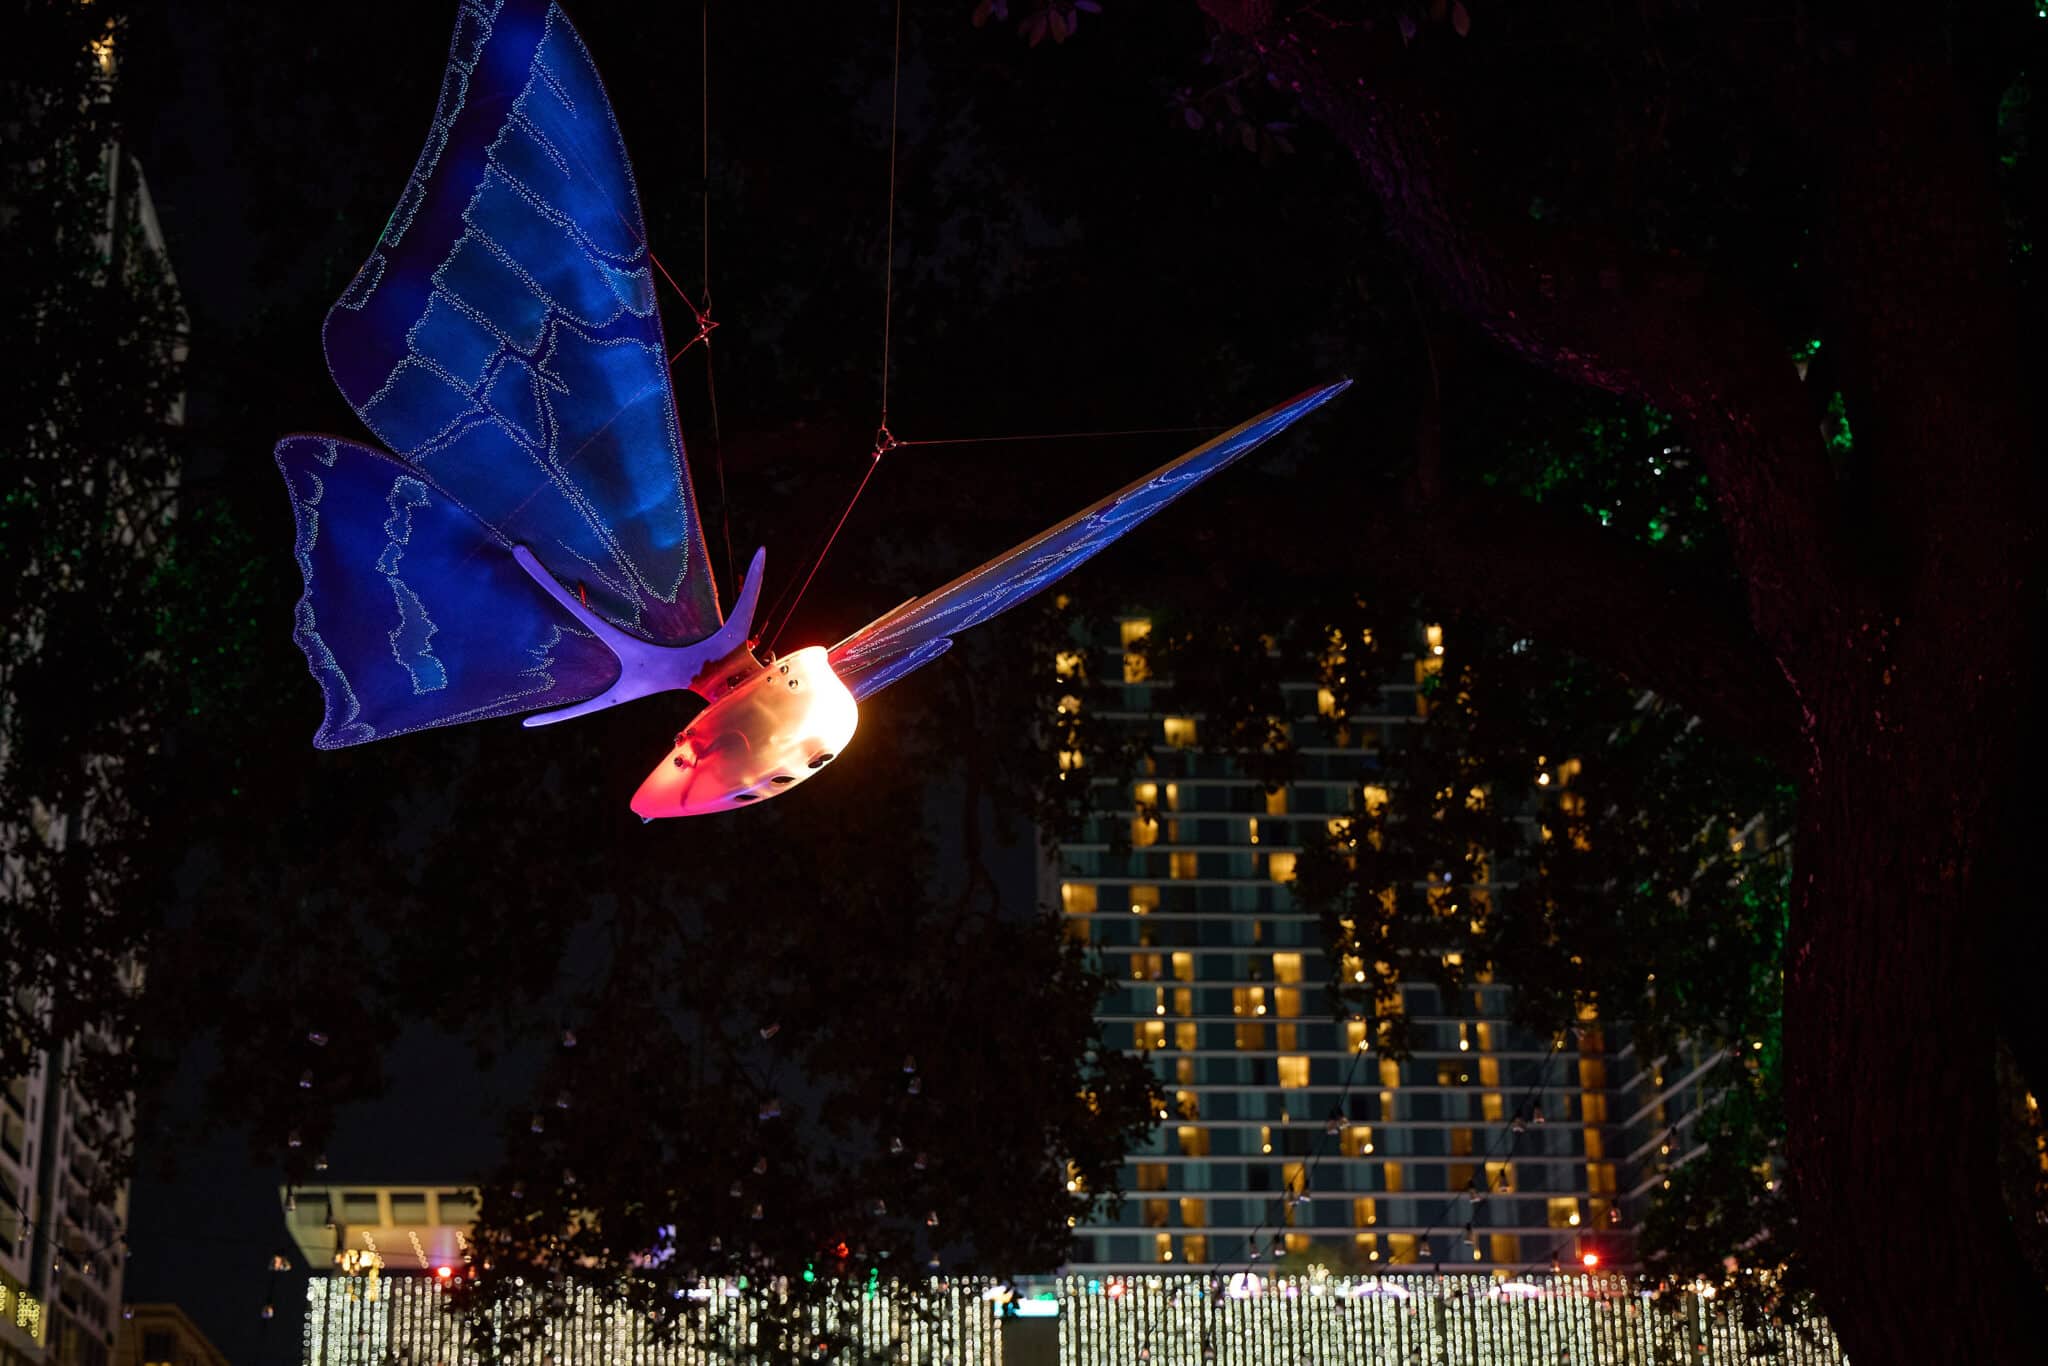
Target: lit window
column 1596, row 1146
column 1196, row 1247
column 1146, row 794
column 1183, row 967
column 1500, row 1177
column 1151, row 1033
column 1144, row 831
column 1162, row 1247
column 1156, row 1213
column 1181, row 865
column 1593, row 1107
column 1400, row 1247
column 1276, row 802
column 1077, row 898
column 1067, row 663
column 1179, row 731
column 1194, row 1141
column 1287, row 1002
column 1071, row 759
column 1600, row 1177
column 1294, row 1070
column 1147, row 967
column 1286, row 968
column 1187, row 1104
column 1461, row 1146
column 1491, row 1107
column 1373, row 797
column 1248, row 1001
column 1184, row 1037
column 1393, row 1175
column 1358, row 1141
column 1251, row 1037
column 1193, row 1214
column 1184, row 1068
column 1326, row 702
column 1354, row 1035
column 1367, row 1245
column 1134, row 631
column 1364, row 1212
column 1151, row 1176
column 1280, row 866
column 1489, row 1071
column 1564, row 1212
column 1506, row 1248
column 1390, row 1072
column 1183, row 1001
column 1172, row 795
column 1435, row 636
column 1144, row 900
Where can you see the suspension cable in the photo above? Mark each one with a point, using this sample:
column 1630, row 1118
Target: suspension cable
column 884, row 440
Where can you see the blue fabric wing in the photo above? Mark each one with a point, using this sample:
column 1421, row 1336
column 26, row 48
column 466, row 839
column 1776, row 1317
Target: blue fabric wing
column 415, row 613
column 921, row 630
column 503, row 336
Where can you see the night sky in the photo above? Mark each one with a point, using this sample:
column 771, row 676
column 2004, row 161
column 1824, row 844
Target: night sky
column 1072, row 255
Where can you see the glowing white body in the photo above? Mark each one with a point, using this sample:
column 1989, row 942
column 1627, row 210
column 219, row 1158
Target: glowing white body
column 767, row 728
column 764, row 736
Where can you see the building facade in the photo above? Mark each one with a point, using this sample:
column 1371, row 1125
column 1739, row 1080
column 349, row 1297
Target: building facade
column 164, row 1335
column 62, row 1239
column 1286, row 1133
column 1319, row 1320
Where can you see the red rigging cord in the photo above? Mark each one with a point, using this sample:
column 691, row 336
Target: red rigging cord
column 884, row 441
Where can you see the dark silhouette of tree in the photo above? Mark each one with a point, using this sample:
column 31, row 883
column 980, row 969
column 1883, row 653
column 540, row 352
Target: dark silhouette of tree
column 1662, row 207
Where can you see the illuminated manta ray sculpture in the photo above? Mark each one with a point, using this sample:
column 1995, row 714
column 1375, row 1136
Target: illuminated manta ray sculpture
column 534, row 542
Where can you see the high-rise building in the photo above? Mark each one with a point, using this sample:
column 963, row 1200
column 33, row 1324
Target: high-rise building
column 62, row 1234
column 1285, row 1131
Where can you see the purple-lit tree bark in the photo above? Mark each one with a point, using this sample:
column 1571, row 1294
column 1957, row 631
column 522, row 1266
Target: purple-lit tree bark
column 1887, row 647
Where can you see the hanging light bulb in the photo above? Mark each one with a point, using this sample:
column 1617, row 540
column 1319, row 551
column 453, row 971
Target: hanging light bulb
column 771, row 1108
column 316, row 1038
column 881, row 1208
column 539, row 1124
column 1537, row 1116
column 931, row 1219
column 737, row 1189
column 760, row 1166
column 568, row 1038
column 909, row 1063
column 895, row 1147
column 562, row 1101
column 918, row 1162
column 756, row 1212
column 306, row 1080
column 770, row 1030
column 269, row 1311
column 716, row 1245
column 320, row 1163
column 518, row 1190
column 292, row 1140
column 916, row 1085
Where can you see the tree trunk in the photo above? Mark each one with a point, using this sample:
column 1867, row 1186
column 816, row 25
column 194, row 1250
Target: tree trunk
column 1891, row 1106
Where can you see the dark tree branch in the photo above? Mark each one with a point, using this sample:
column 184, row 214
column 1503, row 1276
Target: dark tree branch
column 1600, row 596
column 1588, row 308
